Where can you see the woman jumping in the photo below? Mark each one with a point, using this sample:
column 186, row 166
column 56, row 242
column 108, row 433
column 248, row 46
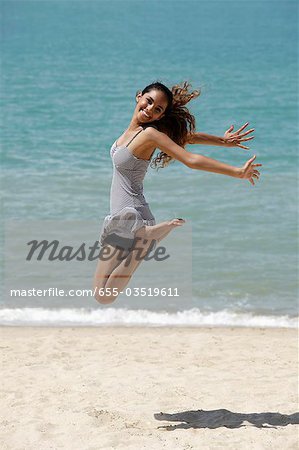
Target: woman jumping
column 160, row 120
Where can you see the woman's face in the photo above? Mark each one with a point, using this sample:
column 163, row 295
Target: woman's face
column 151, row 106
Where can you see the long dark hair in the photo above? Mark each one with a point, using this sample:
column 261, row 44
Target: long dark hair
column 177, row 122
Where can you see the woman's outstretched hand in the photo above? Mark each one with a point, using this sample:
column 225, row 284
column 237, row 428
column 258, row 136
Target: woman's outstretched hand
column 235, row 138
column 248, row 171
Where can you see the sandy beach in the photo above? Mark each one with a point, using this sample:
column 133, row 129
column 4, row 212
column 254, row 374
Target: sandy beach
column 148, row 388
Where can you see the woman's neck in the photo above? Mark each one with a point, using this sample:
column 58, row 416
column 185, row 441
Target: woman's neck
column 134, row 124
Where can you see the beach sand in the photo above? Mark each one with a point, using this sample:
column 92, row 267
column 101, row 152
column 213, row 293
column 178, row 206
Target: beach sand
column 148, row 388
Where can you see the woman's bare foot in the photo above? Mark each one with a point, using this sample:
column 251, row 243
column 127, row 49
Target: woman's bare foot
column 161, row 230
column 177, row 222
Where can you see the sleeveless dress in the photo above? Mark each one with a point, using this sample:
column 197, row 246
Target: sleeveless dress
column 129, row 210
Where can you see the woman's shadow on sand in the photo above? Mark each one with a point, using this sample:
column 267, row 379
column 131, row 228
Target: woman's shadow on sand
column 224, row 418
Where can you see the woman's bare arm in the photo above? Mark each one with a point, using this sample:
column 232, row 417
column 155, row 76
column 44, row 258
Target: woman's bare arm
column 200, row 162
column 205, row 139
column 229, row 139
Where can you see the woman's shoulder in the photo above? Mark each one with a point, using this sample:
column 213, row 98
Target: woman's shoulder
column 150, row 130
column 149, row 125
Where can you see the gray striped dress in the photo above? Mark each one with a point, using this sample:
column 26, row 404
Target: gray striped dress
column 129, row 210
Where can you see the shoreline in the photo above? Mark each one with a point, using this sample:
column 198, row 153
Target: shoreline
column 150, row 327
column 126, row 317
column 149, row 387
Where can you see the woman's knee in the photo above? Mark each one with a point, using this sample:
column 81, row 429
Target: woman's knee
column 104, row 299
column 103, row 295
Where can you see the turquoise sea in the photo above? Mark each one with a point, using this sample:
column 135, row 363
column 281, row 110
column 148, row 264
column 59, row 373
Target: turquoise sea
column 70, row 71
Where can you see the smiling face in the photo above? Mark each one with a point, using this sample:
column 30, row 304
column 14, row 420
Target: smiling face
column 151, row 106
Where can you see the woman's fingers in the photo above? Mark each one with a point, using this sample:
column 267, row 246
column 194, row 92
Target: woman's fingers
column 242, row 128
column 239, row 137
column 242, row 146
column 247, row 164
column 246, row 133
column 246, row 139
column 237, row 141
column 250, row 173
column 254, row 175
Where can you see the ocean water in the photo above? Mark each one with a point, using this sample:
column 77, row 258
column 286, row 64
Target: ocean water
column 70, row 71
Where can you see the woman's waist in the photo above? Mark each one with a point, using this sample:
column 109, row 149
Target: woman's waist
column 120, row 203
column 127, row 191
column 142, row 208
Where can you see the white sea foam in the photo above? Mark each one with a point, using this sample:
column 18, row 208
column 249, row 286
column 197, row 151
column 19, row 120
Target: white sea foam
column 129, row 317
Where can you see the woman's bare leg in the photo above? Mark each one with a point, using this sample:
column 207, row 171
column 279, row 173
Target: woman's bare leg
column 106, row 267
column 161, row 230
column 116, row 274
column 108, row 282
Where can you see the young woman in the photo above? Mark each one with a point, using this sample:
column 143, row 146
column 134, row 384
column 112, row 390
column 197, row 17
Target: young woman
column 160, row 120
